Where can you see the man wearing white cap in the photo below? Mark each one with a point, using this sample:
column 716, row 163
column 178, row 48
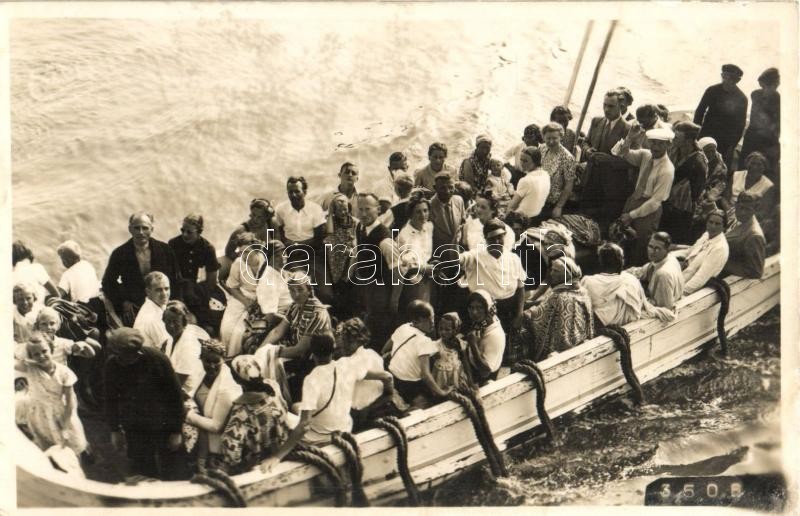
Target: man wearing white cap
column 642, row 210
column 716, row 183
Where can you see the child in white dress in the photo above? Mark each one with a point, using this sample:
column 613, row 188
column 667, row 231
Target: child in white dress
column 48, row 323
column 448, row 370
column 50, row 407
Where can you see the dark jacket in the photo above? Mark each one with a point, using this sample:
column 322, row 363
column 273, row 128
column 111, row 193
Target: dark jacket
column 618, row 132
column 123, row 281
column 144, row 396
column 722, row 115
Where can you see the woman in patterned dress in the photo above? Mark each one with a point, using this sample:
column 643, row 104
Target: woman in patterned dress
column 564, row 317
column 259, row 424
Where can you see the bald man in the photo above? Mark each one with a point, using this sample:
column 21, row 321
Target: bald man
column 123, row 281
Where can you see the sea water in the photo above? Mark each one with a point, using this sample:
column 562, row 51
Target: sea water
column 110, row 116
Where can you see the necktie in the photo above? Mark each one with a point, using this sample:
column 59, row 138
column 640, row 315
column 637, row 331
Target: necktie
column 448, row 216
column 603, row 134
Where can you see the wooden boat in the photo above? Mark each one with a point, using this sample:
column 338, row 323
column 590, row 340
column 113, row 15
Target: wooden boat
column 441, row 439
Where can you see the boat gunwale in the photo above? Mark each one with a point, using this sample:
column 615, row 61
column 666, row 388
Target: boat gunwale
column 376, row 441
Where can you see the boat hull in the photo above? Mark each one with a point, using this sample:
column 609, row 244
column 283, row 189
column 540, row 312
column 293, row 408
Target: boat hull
column 441, row 438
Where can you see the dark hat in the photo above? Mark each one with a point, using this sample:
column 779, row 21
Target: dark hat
column 769, row 76
column 733, row 69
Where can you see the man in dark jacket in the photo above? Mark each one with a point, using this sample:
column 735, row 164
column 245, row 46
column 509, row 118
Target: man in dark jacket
column 144, row 406
column 722, row 112
column 123, row 280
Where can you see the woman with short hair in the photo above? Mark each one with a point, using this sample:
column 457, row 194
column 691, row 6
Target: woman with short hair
column 415, row 243
column 260, row 224
column 560, row 164
column 186, row 338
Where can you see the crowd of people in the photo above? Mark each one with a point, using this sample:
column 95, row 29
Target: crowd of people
column 320, row 317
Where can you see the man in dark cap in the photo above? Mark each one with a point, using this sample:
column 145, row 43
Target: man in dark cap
column 144, row 406
column 722, row 112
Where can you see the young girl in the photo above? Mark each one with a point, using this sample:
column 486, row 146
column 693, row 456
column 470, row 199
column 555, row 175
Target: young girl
column 448, row 369
column 51, row 411
column 48, row 323
column 499, row 182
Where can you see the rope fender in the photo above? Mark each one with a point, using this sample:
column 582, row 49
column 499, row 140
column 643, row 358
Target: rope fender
column 474, row 397
column 314, row 456
column 347, row 443
column 622, row 340
column 486, row 441
column 724, row 290
column 394, row 428
column 535, row 375
column 221, row 482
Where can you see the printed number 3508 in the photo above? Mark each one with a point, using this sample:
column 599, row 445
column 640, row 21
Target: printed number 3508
column 688, row 491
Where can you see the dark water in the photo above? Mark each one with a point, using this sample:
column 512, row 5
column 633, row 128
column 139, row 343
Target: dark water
column 710, row 416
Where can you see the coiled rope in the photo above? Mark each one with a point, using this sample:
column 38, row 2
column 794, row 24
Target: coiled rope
column 535, row 375
column 724, row 290
column 622, row 340
column 220, row 481
column 347, row 443
column 394, row 428
column 469, row 401
column 314, row 456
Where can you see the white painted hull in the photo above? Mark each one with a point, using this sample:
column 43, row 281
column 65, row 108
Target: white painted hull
column 441, row 439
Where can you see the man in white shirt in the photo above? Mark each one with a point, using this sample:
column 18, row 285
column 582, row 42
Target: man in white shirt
column 498, row 272
column 707, row 257
column 79, row 282
column 298, row 218
column 149, row 319
column 533, row 189
column 328, row 391
column 409, row 350
column 642, row 210
column 662, row 275
column 348, row 177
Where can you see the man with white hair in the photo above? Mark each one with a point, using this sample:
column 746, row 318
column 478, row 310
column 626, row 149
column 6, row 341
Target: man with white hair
column 79, row 282
column 642, row 210
column 150, row 320
column 123, row 281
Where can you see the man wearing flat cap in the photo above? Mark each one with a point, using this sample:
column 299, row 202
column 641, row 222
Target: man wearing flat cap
column 144, row 406
column 643, row 209
column 722, row 112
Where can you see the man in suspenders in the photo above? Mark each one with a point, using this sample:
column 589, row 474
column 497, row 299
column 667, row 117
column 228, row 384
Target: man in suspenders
column 328, row 391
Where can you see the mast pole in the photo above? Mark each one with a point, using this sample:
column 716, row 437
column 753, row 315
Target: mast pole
column 586, row 33
column 596, row 73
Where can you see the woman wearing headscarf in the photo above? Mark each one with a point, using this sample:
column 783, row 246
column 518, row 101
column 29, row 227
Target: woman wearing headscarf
column 339, row 243
column 617, row 296
column 475, row 169
column 260, row 429
column 214, row 396
column 746, row 243
column 752, row 180
column 564, row 317
column 715, row 186
column 687, row 185
column 486, row 340
column 707, row 257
